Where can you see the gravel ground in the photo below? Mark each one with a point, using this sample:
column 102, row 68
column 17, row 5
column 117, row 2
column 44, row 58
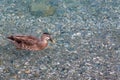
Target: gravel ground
column 87, row 35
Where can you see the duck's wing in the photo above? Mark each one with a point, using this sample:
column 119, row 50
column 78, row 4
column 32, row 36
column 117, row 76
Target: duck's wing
column 28, row 40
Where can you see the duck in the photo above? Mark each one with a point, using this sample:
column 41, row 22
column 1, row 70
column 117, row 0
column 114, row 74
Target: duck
column 28, row 42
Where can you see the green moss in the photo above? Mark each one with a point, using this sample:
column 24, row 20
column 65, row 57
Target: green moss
column 41, row 9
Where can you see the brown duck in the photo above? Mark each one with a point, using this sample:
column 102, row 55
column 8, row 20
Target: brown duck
column 30, row 42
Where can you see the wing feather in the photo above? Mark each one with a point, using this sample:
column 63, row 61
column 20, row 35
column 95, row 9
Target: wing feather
column 28, row 40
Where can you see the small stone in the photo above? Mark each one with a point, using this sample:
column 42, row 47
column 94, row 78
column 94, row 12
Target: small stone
column 43, row 67
column 1, row 62
column 15, row 77
column 19, row 72
column 26, row 63
column 27, row 71
column 16, row 65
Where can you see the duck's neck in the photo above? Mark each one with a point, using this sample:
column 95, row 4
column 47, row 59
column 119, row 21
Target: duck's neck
column 43, row 41
column 42, row 44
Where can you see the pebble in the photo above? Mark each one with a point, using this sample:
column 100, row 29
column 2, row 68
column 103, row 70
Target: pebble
column 27, row 71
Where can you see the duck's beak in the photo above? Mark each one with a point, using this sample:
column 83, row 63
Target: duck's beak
column 53, row 41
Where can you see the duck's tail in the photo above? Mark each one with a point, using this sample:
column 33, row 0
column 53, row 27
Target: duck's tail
column 11, row 37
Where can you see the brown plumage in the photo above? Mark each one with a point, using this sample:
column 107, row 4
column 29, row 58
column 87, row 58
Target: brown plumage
column 30, row 42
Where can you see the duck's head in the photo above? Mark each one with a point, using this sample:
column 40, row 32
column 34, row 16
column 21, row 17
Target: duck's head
column 47, row 36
